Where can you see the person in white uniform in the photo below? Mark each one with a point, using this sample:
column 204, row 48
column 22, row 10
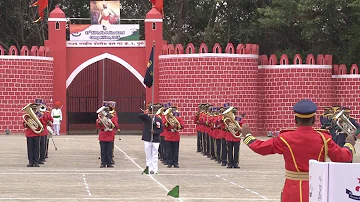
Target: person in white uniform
column 151, row 138
column 57, row 117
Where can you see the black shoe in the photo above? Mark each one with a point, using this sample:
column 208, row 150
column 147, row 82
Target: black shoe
column 176, row 166
column 29, row 165
column 41, row 162
column 102, row 166
column 236, row 167
column 110, row 166
column 112, row 162
column 212, row 158
column 36, row 165
column 229, row 166
column 169, row 166
column 223, row 164
column 198, row 151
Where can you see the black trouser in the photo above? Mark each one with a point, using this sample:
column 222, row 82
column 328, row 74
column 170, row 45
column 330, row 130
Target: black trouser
column 106, row 152
column 218, row 149
column 208, row 147
column 173, row 152
column 42, row 148
column 340, row 139
column 199, row 142
column 224, row 151
column 203, row 137
column 33, row 147
column 162, row 148
column 233, row 153
column 212, row 147
column 47, row 146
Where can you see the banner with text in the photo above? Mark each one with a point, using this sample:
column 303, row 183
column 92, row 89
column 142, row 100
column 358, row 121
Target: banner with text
column 105, row 12
column 123, row 32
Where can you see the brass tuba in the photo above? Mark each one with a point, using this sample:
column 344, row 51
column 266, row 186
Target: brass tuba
column 231, row 124
column 31, row 119
column 104, row 118
column 344, row 123
column 171, row 120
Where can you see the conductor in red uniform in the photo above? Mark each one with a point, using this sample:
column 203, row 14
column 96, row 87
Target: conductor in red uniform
column 107, row 135
column 298, row 147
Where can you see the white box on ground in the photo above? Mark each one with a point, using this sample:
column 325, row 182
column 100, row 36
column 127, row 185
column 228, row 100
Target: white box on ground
column 334, row 182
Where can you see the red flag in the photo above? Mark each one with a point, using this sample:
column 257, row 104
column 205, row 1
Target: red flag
column 159, row 5
column 41, row 4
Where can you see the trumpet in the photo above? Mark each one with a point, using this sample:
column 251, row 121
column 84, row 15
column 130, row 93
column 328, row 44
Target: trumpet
column 31, row 119
column 344, row 123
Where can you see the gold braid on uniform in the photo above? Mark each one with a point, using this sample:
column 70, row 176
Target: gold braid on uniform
column 351, row 148
column 249, row 139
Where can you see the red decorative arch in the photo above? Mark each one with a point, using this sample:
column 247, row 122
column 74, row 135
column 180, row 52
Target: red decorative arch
column 203, row 48
column 42, row 51
column 263, row 60
column 230, row 48
column 179, row 49
column 217, row 48
column 190, row 49
column 310, row 59
column 34, row 51
column 328, row 60
column 320, row 60
column 342, row 69
column 354, row 69
column 284, row 60
column 251, row 49
column 170, row 49
column 24, row 51
column 297, row 59
column 13, row 50
column 240, row 49
column 2, row 50
column 273, row 60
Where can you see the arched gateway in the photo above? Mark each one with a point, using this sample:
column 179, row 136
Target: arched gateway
column 88, row 72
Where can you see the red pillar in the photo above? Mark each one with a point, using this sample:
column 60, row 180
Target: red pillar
column 57, row 44
column 153, row 32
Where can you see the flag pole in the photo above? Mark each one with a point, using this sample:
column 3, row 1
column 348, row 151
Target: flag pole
column 152, row 94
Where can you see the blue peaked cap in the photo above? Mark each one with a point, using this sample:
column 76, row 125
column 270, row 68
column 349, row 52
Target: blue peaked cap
column 305, row 109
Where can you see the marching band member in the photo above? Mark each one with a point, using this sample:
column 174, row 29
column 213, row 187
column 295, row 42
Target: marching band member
column 223, row 155
column 202, row 128
column 198, row 132
column 46, row 120
column 210, row 124
column 32, row 135
column 233, row 147
column 163, row 143
column 217, row 134
column 151, row 138
column 57, row 117
column 291, row 145
column 207, row 130
column 174, row 124
column 107, row 134
column 341, row 136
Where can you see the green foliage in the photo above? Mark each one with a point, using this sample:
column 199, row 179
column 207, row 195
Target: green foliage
column 278, row 26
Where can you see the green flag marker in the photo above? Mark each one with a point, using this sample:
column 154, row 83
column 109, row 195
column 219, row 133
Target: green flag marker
column 174, row 192
column 146, row 171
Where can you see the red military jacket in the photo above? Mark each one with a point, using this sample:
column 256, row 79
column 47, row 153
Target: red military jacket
column 207, row 120
column 45, row 120
column 216, row 125
column 29, row 132
column 107, row 136
column 201, row 122
column 298, row 147
column 164, row 121
column 196, row 121
column 173, row 136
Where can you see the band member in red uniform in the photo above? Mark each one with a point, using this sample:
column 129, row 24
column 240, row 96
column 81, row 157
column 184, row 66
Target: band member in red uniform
column 207, row 130
column 202, row 129
column 196, row 121
column 217, row 134
column 107, row 132
column 46, row 120
column 298, row 147
column 173, row 126
column 223, row 153
column 33, row 135
column 233, row 146
column 163, row 143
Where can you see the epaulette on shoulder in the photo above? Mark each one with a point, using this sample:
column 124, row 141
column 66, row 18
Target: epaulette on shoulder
column 323, row 131
column 287, row 130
